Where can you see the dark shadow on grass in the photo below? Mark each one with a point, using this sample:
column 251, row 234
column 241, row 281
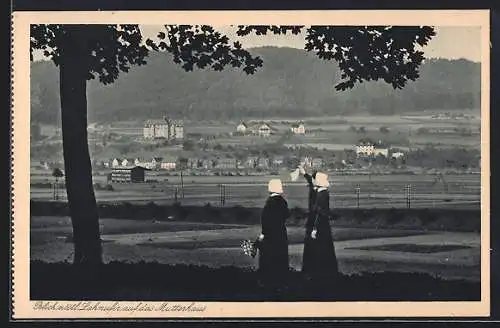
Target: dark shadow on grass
column 156, row 282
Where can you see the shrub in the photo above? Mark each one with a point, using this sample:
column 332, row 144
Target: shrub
column 427, row 217
column 241, row 213
column 179, row 211
column 210, row 211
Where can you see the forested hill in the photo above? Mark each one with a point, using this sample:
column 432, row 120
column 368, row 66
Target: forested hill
column 291, row 83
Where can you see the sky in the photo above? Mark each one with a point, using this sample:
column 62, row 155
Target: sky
column 449, row 42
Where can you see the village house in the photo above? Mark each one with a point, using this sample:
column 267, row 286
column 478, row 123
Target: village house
column 138, row 161
column 168, row 163
column 193, row 163
column 380, row 149
column 298, row 128
column 207, row 164
column 155, row 163
column 163, row 129
column 242, row 127
column 397, row 155
column 264, row 130
column 134, row 174
column 127, row 162
column 252, row 162
column 278, row 161
column 226, row 163
column 263, row 163
column 115, row 162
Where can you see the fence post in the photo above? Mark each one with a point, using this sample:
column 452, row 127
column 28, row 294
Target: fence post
column 182, row 185
column 408, row 196
column 222, row 194
column 358, row 190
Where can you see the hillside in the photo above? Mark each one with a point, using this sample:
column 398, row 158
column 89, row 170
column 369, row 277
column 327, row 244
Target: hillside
column 291, row 83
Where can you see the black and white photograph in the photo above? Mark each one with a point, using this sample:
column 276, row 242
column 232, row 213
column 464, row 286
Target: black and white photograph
column 176, row 165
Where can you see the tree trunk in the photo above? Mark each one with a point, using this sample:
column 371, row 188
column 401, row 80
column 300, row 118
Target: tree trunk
column 78, row 175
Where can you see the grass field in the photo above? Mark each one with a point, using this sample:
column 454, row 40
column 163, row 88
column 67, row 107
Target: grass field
column 217, row 245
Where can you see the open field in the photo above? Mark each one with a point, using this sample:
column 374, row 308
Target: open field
column 216, row 245
column 377, row 191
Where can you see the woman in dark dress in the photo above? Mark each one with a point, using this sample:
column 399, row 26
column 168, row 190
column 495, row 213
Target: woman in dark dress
column 323, row 259
column 308, row 253
column 273, row 248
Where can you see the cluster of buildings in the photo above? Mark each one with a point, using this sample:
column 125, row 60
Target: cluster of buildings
column 265, row 130
column 368, row 148
column 216, row 163
column 163, row 129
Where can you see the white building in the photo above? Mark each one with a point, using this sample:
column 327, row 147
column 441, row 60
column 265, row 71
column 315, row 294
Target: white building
column 298, row 128
column 397, row 155
column 115, row 162
column 264, row 130
column 163, row 129
column 168, row 163
column 126, row 162
column 381, row 151
column 242, row 128
column 367, row 148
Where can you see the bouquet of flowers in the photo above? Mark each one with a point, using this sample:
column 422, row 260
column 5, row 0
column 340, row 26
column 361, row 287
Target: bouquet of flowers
column 250, row 248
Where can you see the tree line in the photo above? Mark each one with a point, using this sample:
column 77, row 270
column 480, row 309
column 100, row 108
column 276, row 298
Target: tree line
column 300, row 88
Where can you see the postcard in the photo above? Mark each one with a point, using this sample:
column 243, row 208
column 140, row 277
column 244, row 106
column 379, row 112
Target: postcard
column 257, row 164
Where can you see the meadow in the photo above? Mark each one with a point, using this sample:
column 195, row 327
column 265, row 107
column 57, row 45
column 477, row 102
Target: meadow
column 436, row 250
column 376, row 191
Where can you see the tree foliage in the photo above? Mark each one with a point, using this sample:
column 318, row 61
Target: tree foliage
column 109, row 48
column 201, row 46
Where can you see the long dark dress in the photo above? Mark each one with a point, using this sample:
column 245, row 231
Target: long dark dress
column 273, row 250
column 308, row 253
column 323, row 259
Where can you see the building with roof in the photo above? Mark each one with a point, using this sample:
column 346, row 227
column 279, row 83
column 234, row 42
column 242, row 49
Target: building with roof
column 298, row 128
column 242, row 127
column 163, row 129
column 368, row 148
column 264, row 130
column 132, row 174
